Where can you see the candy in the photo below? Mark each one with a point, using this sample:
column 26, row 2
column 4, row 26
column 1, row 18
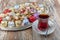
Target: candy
column 27, row 4
column 26, row 12
column 25, row 21
column 12, row 9
column 36, row 15
column 18, row 23
column 2, row 15
column 4, row 23
column 6, row 11
column 16, row 6
column 42, row 9
column 22, row 5
column 7, row 18
column 32, row 19
column 32, row 10
column 17, row 14
column 27, row 7
column 16, row 17
column 0, row 19
column 39, row 11
column 41, row 5
column 10, row 24
column 22, row 11
column 37, row 8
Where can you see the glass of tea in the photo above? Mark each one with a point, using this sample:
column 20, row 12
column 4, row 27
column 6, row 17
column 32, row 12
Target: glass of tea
column 43, row 21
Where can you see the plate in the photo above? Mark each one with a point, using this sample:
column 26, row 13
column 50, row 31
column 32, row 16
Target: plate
column 51, row 29
column 15, row 29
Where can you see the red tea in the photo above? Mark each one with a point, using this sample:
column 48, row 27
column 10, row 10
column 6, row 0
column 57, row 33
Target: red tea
column 43, row 21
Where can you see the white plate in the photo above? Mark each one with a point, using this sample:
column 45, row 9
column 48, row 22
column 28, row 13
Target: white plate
column 51, row 29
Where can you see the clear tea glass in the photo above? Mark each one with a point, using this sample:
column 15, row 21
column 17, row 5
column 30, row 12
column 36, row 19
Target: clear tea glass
column 43, row 21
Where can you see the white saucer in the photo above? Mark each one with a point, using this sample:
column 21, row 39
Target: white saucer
column 51, row 29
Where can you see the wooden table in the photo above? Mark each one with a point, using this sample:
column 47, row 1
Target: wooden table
column 30, row 35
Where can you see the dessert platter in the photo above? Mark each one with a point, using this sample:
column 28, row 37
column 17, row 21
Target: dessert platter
column 20, row 17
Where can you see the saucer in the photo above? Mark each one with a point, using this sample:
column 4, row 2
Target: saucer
column 51, row 29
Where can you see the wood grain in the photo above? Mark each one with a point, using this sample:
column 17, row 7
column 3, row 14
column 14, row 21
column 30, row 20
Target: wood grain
column 29, row 34
column 18, row 35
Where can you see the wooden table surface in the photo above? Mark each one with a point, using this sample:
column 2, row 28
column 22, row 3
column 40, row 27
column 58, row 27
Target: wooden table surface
column 29, row 35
